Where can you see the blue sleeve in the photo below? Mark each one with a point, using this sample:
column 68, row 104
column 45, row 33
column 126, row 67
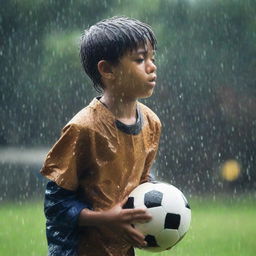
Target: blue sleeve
column 62, row 209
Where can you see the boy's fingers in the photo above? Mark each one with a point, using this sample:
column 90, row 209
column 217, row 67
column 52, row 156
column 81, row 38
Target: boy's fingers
column 136, row 238
column 135, row 211
column 137, row 215
column 140, row 238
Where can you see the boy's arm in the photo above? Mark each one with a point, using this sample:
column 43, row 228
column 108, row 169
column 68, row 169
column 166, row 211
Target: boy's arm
column 62, row 206
column 119, row 220
column 64, row 212
column 62, row 209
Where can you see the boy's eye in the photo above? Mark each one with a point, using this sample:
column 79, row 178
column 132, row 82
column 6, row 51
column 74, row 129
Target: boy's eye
column 139, row 60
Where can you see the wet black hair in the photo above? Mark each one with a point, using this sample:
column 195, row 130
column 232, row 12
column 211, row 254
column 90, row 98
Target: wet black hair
column 109, row 40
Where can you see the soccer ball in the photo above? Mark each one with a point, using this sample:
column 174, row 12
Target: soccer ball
column 170, row 212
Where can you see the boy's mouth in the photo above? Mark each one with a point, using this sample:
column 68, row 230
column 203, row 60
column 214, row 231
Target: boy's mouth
column 153, row 79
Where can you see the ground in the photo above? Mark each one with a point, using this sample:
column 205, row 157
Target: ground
column 220, row 226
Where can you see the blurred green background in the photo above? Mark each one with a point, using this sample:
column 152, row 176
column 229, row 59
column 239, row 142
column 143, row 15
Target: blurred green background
column 205, row 97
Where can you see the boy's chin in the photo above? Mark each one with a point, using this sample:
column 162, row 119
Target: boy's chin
column 147, row 95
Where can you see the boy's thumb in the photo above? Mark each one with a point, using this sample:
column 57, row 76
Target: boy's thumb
column 122, row 203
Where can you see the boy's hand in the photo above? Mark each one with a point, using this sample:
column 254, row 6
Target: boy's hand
column 121, row 221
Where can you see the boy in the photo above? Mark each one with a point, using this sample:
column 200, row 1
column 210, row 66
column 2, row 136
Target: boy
column 106, row 150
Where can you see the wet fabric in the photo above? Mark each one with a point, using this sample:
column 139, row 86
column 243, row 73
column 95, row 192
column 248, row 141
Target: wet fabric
column 102, row 164
column 131, row 129
column 62, row 209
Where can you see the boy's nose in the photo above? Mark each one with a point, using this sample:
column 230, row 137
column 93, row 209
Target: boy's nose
column 151, row 68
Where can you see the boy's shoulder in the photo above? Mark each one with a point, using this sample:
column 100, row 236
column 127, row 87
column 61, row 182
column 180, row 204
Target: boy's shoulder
column 90, row 116
column 149, row 114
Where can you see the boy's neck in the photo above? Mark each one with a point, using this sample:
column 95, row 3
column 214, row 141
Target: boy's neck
column 123, row 109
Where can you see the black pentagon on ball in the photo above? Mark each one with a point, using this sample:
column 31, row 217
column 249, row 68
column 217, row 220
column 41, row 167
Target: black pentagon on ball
column 187, row 205
column 153, row 198
column 129, row 203
column 172, row 221
column 151, row 241
column 186, row 202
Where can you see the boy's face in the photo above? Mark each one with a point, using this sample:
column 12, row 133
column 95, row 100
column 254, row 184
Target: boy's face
column 135, row 74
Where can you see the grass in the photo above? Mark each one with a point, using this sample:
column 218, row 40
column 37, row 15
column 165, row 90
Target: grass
column 22, row 231
column 220, row 227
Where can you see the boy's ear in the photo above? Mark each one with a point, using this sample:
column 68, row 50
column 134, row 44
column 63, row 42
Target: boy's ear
column 105, row 69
